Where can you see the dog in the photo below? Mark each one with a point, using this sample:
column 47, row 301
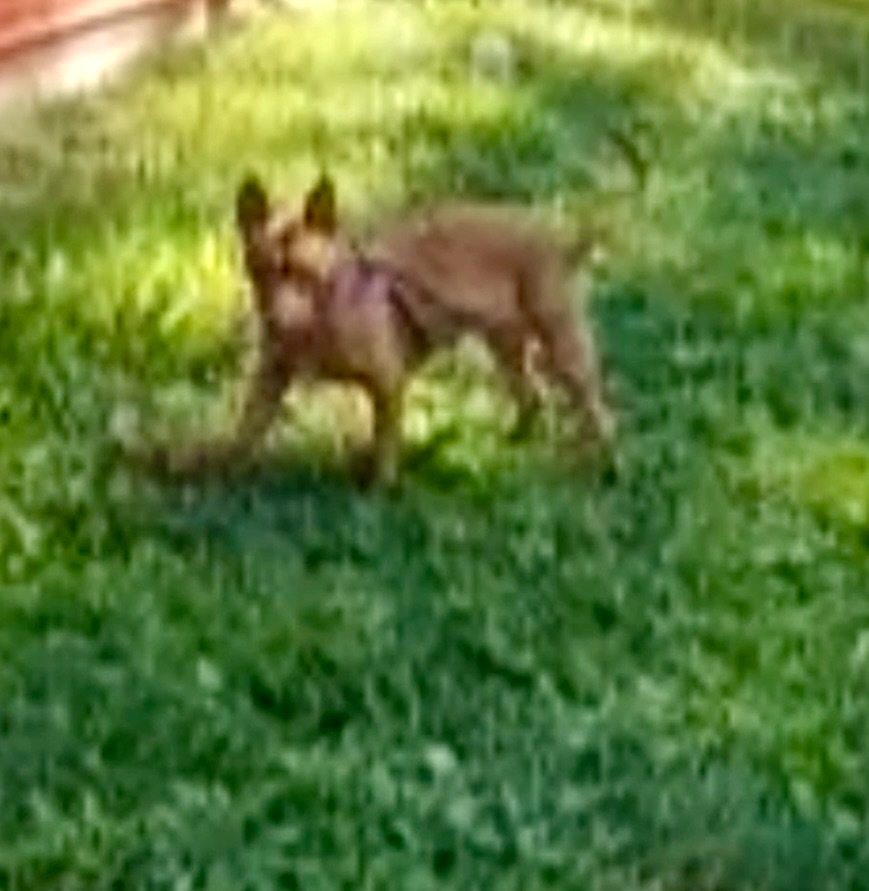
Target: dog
column 331, row 310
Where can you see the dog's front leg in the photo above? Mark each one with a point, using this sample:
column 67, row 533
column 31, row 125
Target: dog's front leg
column 261, row 405
column 386, row 405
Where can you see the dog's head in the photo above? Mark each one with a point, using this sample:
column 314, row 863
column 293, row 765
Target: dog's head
column 289, row 257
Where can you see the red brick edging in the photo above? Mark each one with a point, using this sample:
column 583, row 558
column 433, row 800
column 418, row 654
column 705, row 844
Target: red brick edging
column 32, row 22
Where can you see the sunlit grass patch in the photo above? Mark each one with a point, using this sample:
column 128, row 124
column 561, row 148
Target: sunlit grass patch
column 382, row 97
column 826, row 472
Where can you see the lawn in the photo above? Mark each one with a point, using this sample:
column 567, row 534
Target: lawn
column 508, row 675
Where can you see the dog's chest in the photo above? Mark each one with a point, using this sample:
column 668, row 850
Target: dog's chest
column 348, row 333
column 290, row 312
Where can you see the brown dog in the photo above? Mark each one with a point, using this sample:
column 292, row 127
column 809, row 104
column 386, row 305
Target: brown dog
column 328, row 310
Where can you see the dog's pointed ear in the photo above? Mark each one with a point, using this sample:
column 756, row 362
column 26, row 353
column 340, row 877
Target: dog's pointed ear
column 321, row 206
column 251, row 204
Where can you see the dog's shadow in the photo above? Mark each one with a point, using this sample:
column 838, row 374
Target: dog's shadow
column 279, row 479
column 426, row 463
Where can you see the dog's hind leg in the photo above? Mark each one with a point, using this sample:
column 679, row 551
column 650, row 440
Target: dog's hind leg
column 511, row 348
column 568, row 353
column 572, row 362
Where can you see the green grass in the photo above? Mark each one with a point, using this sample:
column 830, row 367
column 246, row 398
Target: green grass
column 506, row 676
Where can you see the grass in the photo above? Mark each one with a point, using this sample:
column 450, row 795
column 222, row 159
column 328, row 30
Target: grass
column 506, row 676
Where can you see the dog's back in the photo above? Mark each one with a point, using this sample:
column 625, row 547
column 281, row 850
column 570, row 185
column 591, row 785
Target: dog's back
column 473, row 257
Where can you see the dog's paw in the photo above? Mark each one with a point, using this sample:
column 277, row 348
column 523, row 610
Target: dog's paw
column 368, row 475
column 523, row 428
column 361, row 468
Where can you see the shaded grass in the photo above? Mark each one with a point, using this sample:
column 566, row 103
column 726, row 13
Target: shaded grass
column 507, row 676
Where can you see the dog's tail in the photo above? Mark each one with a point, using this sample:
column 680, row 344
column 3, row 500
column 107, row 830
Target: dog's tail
column 635, row 158
column 597, row 234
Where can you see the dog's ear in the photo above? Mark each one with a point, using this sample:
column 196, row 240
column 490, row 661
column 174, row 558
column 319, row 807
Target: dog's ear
column 251, row 204
column 320, row 205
